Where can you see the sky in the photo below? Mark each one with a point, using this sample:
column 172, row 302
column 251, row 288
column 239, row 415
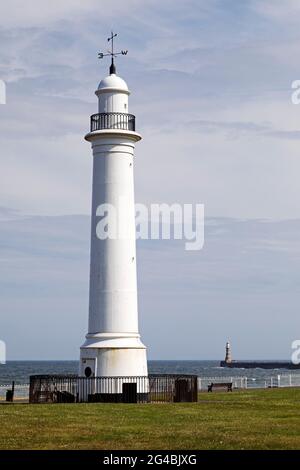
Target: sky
column 211, row 91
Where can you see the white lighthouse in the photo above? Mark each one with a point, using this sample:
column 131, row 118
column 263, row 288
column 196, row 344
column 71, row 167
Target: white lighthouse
column 113, row 347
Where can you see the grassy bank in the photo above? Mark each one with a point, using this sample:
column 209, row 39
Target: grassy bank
column 260, row 419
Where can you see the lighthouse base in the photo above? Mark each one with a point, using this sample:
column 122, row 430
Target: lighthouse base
column 113, row 362
column 122, row 370
column 113, row 355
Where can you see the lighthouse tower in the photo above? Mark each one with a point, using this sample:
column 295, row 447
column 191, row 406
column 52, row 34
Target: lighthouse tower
column 113, row 347
column 228, row 358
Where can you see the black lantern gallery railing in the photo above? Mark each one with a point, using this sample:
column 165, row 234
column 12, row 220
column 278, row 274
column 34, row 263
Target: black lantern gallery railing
column 123, row 121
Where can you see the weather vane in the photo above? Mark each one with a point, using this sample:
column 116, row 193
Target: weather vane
column 111, row 53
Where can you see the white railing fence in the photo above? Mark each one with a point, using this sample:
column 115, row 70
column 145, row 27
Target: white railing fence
column 280, row 380
column 238, row 382
column 21, row 391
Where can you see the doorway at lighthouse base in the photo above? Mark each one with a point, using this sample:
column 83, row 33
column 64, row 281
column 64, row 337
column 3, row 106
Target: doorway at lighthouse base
column 158, row 388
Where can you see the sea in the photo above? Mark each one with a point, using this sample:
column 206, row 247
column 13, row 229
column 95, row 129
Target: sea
column 20, row 371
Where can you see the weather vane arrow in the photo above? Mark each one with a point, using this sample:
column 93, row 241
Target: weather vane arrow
column 112, row 53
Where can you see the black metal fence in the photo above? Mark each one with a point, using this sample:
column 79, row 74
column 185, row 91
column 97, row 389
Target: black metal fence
column 74, row 389
column 123, row 121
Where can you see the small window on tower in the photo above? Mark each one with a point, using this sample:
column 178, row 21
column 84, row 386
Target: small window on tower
column 125, row 105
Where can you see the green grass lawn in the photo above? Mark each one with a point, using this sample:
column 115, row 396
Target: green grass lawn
column 261, row 419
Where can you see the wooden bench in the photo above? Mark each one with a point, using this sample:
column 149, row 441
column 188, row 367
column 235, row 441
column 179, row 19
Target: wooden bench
column 227, row 385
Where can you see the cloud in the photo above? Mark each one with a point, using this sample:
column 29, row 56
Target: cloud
column 245, row 280
column 8, row 214
column 56, row 173
column 241, row 129
column 211, row 89
column 277, row 10
column 36, row 13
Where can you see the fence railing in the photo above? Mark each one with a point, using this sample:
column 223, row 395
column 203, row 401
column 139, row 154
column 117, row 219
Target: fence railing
column 21, row 391
column 280, row 380
column 238, row 382
column 152, row 388
column 161, row 388
column 123, row 121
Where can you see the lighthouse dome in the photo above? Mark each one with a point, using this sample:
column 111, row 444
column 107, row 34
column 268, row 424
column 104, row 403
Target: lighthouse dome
column 113, row 82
